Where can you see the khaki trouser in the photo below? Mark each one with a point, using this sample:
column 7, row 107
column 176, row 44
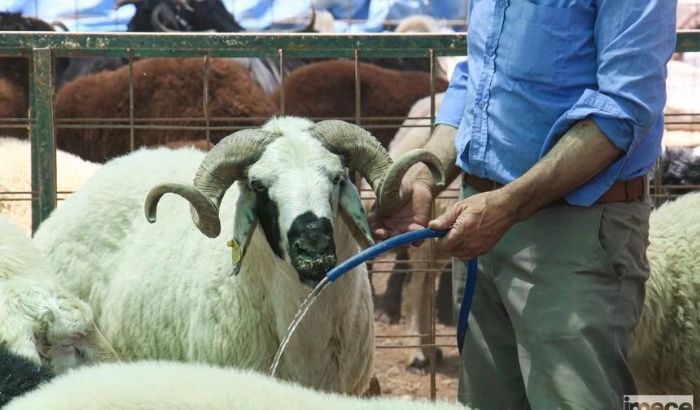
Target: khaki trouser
column 554, row 304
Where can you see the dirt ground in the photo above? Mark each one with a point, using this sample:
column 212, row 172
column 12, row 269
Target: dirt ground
column 391, row 362
column 391, row 365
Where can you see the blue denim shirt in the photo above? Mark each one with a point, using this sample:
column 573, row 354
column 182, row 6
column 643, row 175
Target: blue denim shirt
column 536, row 67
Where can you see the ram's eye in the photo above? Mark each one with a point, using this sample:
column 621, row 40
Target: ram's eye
column 257, row 186
column 337, row 179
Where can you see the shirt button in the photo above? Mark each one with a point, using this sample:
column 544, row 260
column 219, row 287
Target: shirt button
column 482, row 105
column 503, row 4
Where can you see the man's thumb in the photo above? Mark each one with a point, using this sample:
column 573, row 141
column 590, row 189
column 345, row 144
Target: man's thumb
column 446, row 220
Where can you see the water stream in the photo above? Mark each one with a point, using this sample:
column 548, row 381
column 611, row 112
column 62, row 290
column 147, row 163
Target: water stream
column 303, row 308
column 341, row 269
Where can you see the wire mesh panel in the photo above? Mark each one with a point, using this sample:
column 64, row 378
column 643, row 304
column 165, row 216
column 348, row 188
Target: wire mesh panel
column 147, row 108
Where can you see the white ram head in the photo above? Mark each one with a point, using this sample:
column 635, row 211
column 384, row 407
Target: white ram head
column 293, row 182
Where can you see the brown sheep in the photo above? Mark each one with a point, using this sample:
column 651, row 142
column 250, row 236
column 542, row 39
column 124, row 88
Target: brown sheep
column 13, row 104
column 14, row 74
column 327, row 89
column 163, row 88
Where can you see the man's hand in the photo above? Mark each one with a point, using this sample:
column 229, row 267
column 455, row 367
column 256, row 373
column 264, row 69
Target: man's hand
column 419, row 187
column 476, row 224
column 412, row 216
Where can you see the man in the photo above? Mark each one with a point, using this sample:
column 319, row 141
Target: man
column 554, row 120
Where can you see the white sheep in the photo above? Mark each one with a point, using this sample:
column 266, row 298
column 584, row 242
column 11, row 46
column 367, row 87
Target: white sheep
column 39, row 319
column 165, row 291
column 15, row 176
column 664, row 349
column 180, row 386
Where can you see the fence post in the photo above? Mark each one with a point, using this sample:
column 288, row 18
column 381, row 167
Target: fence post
column 43, row 142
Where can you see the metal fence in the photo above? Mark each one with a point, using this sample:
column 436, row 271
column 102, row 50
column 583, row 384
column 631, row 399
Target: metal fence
column 42, row 49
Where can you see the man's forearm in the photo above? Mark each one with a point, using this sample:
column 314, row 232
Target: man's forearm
column 582, row 153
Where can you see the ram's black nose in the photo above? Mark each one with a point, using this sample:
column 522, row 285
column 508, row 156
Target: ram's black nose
column 311, row 247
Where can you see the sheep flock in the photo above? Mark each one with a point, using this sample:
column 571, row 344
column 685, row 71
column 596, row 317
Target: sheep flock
column 177, row 255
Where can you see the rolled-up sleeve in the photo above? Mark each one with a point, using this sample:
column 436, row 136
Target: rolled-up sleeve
column 634, row 41
column 455, row 100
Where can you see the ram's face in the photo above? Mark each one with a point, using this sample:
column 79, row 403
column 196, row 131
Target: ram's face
column 293, row 184
column 295, row 187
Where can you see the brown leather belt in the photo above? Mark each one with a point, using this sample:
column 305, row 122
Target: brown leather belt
column 621, row 191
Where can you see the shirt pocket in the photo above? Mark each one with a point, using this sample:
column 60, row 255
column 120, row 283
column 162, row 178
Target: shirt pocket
column 538, row 42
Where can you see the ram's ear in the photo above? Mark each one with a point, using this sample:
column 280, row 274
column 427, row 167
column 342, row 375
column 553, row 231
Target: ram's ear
column 243, row 226
column 353, row 214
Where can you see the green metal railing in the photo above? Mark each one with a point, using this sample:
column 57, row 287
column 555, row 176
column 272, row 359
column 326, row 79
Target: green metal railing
column 42, row 47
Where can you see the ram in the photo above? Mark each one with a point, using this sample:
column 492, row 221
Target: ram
column 165, row 291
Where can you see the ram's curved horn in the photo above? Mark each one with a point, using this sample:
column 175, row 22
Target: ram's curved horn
column 205, row 214
column 390, row 199
column 221, row 167
column 361, row 151
column 228, row 161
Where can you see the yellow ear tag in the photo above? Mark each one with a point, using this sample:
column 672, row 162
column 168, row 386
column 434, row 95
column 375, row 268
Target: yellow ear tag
column 235, row 251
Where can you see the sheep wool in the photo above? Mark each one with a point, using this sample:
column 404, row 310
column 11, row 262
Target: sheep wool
column 19, row 375
column 163, row 88
column 180, row 386
column 16, row 176
column 664, row 349
column 165, row 291
column 38, row 317
column 384, row 93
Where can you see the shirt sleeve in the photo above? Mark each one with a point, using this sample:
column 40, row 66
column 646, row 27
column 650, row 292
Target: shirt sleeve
column 635, row 39
column 455, row 100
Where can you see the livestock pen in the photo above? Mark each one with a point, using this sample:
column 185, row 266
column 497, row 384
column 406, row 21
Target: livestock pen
column 44, row 126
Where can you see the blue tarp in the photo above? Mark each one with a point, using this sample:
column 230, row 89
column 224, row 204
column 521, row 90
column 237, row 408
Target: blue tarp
column 254, row 15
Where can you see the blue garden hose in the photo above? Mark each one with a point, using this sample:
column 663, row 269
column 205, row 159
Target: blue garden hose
column 469, row 288
column 405, row 239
